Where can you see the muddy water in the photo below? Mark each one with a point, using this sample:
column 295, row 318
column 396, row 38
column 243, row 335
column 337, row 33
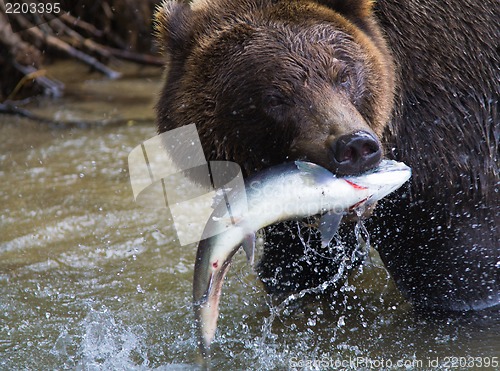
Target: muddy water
column 89, row 280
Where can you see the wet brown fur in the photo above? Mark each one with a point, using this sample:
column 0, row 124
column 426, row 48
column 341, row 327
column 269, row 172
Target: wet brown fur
column 208, row 46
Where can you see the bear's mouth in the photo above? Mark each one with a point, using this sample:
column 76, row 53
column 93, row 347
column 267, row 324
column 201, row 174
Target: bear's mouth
column 348, row 154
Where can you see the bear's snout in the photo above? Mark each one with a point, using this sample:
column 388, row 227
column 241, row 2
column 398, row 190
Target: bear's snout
column 354, row 153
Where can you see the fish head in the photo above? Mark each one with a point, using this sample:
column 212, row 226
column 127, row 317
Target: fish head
column 381, row 181
column 213, row 259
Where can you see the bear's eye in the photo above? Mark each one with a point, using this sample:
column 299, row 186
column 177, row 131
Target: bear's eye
column 344, row 80
column 273, row 100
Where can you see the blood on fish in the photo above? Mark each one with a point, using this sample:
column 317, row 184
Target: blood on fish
column 215, row 264
column 354, row 185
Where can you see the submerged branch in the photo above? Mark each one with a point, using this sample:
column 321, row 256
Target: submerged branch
column 137, row 57
column 51, row 86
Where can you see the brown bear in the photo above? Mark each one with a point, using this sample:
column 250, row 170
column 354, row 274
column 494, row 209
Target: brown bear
column 343, row 83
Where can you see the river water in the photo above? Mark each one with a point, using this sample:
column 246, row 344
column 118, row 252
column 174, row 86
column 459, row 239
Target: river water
column 89, row 280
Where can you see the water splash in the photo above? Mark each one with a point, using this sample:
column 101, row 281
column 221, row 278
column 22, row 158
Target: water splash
column 337, row 252
column 108, row 344
column 362, row 250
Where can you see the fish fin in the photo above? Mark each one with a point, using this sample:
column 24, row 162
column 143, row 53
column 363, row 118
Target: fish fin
column 316, row 173
column 328, row 226
column 249, row 247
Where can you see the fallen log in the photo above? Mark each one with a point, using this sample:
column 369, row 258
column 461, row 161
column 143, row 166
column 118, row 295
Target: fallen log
column 95, row 32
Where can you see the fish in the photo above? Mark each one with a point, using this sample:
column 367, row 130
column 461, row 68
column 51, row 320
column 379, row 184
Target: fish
column 292, row 190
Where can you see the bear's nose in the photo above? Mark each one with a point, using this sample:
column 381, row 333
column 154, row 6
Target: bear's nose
column 354, row 153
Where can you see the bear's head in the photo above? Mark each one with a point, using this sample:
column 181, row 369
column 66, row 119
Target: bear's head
column 269, row 81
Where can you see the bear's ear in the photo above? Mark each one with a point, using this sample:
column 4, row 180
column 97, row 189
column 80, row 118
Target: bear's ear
column 173, row 23
column 351, row 9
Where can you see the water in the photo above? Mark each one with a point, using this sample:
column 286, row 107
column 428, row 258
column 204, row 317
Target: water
column 91, row 281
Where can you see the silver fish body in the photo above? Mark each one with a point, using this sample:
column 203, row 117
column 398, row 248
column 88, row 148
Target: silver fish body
column 284, row 192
